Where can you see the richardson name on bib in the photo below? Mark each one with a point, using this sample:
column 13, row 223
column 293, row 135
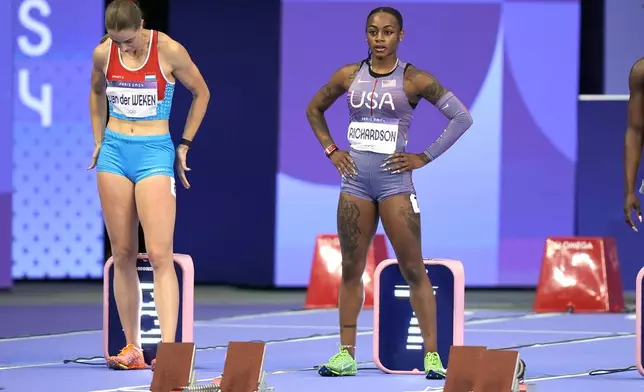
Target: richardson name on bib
column 372, row 133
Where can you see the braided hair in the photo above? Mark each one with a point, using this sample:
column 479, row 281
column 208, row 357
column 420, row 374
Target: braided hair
column 388, row 10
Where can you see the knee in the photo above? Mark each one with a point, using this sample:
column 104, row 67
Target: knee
column 351, row 271
column 124, row 256
column 413, row 273
column 160, row 257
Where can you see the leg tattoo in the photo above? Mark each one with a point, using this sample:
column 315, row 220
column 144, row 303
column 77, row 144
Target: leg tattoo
column 413, row 221
column 348, row 229
column 403, row 227
column 357, row 222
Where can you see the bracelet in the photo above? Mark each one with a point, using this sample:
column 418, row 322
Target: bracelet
column 329, row 150
column 185, row 142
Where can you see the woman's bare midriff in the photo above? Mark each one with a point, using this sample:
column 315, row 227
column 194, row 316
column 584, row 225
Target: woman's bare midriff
column 139, row 128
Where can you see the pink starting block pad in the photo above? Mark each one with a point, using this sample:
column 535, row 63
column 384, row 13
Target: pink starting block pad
column 113, row 337
column 397, row 340
column 639, row 333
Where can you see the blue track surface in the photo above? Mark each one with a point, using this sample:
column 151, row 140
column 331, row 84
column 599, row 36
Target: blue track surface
column 35, row 363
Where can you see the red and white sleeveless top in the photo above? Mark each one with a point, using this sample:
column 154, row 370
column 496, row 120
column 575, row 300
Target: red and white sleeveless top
column 138, row 94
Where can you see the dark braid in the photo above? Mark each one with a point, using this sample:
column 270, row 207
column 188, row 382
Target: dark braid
column 389, row 10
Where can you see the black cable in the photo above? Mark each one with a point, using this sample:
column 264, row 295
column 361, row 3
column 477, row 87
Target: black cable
column 596, row 372
column 564, row 341
column 601, row 372
column 87, row 361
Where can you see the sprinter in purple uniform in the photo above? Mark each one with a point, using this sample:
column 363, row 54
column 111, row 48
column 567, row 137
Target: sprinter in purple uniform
column 382, row 92
column 633, row 143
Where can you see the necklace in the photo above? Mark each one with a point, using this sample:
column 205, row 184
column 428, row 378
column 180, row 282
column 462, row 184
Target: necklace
column 394, row 67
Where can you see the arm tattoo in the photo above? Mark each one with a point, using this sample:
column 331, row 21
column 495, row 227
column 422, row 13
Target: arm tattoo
column 427, row 86
column 433, row 91
column 354, row 72
column 323, row 99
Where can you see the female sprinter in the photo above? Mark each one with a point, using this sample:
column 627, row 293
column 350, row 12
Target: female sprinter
column 136, row 70
column 377, row 175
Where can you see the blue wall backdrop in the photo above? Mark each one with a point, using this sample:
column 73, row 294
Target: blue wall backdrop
column 600, row 182
column 6, row 124
column 226, row 221
column 56, row 227
column 505, row 44
column 624, row 29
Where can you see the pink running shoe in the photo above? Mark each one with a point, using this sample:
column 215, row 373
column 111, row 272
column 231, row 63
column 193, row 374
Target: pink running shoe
column 130, row 358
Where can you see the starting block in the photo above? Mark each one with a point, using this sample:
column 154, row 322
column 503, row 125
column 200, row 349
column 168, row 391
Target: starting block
column 243, row 369
column 326, row 271
column 174, row 367
column 579, row 274
column 477, row 369
column 113, row 337
column 397, row 340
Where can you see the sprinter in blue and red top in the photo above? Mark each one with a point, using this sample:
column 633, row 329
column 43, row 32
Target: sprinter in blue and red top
column 382, row 92
column 136, row 69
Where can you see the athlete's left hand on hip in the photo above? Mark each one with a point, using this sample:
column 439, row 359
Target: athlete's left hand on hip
column 403, row 161
column 182, row 167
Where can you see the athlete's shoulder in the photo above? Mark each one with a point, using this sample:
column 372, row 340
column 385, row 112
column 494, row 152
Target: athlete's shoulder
column 419, row 76
column 346, row 73
column 636, row 78
column 414, row 73
column 422, row 83
column 350, row 69
column 101, row 52
column 637, row 70
column 168, row 45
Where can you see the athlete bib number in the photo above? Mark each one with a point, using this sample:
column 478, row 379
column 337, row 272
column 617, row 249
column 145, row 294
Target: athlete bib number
column 133, row 99
column 374, row 136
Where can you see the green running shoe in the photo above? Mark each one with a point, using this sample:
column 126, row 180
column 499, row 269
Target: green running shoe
column 341, row 364
column 434, row 369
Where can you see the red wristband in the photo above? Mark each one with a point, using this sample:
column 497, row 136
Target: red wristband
column 330, row 149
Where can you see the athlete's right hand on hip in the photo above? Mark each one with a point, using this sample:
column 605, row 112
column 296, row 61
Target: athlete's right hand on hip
column 344, row 163
column 97, row 150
